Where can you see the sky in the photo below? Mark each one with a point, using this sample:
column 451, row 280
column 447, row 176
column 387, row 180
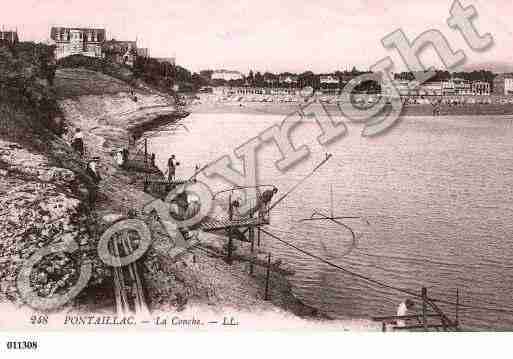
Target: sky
column 267, row 35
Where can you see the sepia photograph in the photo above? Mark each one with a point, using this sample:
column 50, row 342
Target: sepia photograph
column 292, row 166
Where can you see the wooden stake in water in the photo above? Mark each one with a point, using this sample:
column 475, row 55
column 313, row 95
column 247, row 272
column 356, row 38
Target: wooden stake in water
column 267, row 276
column 331, row 200
column 424, row 309
column 457, row 306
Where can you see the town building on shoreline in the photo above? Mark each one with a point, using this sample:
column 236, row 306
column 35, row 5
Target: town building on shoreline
column 247, row 90
column 78, row 41
column 503, row 84
column 451, row 87
column 430, row 88
column 289, row 80
column 481, row 88
column 327, row 80
column 456, row 86
column 226, row 75
column 9, row 37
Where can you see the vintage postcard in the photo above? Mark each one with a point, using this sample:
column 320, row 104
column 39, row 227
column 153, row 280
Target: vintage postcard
column 256, row 165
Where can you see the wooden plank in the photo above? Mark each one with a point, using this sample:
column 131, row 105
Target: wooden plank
column 218, row 225
column 409, row 316
column 267, row 276
column 424, row 308
column 165, row 182
column 421, row 326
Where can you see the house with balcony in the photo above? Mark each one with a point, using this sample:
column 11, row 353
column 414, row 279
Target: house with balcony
column 77, row 41
column 9, row 37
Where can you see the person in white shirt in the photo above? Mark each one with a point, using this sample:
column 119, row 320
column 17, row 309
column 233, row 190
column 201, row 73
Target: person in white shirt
column 120, row 161
column 403, row 310
column 78, row 142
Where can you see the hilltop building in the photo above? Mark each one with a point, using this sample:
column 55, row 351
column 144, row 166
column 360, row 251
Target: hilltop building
column 143, row 52
column 77, row 41
column 9, row 37
column 122, row 52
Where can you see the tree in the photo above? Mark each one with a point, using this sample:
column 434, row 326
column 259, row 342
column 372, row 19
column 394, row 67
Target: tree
column 198, row 81
column 259, row 80
column 206, row 74
column 251, row 78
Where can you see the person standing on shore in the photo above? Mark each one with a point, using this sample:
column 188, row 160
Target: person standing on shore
column 78, row 142
column 171, row 168
column 92, row 170
column 403, row 310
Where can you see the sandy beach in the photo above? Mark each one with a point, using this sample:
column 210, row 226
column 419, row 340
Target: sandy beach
column 274, row 108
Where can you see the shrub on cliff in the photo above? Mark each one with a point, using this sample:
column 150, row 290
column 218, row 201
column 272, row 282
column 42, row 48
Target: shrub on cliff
column 162, row 74
column 27, row 100
column 105, row 66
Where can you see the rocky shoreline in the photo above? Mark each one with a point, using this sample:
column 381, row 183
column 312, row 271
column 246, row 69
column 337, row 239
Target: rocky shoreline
column 44, row 201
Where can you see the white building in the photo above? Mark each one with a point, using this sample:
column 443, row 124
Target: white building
column 227, row 75
column 328, row 80
column 508, row 86
column 456, row 86
column 433, row 88
column 77, row 41
column 481, row 88
column 288, row 79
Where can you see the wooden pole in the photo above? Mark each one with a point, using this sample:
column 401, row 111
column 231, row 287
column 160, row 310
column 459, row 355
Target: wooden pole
column 230, row 246
column 266, row 297
column 252, row 239
column 145, row 149
column 424, row 308
column 258, row 237
column 457, row 306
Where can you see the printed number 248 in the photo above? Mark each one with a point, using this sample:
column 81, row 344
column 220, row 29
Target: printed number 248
column 39, row 319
